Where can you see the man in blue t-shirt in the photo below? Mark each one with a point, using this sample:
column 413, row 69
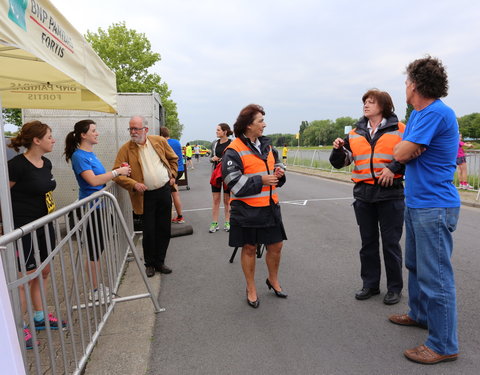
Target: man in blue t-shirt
column 429, row 150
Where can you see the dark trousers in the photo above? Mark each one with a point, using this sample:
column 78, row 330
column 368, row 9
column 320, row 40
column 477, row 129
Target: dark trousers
column 388, row 216
column 157, row 218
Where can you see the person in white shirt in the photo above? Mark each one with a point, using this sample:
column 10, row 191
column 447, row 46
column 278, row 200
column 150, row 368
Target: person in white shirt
column 154, row 167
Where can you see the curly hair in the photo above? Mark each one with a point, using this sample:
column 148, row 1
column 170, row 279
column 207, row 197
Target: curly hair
column 29, row 131
column 383, row 99
column 429, row 76
column 246, row 117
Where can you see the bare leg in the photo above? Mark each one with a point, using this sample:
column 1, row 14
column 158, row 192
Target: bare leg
column 226, row 204
column 462, row 172
column 248, row 267
column 35, row 289
column 274, row 252
column 177, row 203
column 93, row 271
column 216, row 206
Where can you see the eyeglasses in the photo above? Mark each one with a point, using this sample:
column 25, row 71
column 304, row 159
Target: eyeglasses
column 135, row 129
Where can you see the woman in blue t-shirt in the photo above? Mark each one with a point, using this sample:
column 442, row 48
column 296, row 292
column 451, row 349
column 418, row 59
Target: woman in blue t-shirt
column 91, row 177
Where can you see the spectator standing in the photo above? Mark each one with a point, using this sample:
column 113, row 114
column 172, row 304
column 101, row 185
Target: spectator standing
column 177, row 148
column 31, row 187
column 91, row 177
column 462, row 165
column 153, row 166
column 429, row 149
column 378, row 192
column 218, row 147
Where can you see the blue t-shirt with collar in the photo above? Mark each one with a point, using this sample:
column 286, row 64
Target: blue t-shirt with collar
column 429, row 177
column 83, row 161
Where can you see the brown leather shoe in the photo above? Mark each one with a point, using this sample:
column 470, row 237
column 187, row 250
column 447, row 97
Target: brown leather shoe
column 405, row 320
column 426, row 356
column 150, row 271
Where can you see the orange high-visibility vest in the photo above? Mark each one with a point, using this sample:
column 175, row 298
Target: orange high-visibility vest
column 255, row 166
column 371, row 159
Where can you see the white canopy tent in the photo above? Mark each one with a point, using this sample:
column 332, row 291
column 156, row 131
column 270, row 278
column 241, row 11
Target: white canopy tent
column 44, row 63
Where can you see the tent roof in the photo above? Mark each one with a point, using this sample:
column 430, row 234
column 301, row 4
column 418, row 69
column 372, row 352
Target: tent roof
column 46, row 63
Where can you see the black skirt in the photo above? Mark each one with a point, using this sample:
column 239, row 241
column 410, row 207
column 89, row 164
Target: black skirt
column 240, row 236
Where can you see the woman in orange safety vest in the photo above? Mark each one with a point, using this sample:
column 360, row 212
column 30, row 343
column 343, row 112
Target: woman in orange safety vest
column 378, row 192
column 252, row 171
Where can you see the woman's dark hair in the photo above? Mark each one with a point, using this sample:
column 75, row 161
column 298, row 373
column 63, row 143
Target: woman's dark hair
column 30, row 130
column 246, row 117
column 429, row 76
column 226, row 128
column 383, row 99
column 164, row 132
column 73, row 139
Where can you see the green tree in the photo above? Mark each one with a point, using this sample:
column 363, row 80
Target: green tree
column 303, row 126
column 12, row 116
column 470, row 125
column 129, row 55
column 341, row 123
column 408, row 113
column 279, row 139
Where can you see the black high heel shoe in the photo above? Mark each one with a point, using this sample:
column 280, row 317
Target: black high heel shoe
column 278, row 293
column 253, row 304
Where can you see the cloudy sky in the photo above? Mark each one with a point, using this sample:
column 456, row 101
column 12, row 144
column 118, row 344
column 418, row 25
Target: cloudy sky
column 301, row 60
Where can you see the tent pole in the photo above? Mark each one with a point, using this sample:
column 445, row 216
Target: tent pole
column 12, row 360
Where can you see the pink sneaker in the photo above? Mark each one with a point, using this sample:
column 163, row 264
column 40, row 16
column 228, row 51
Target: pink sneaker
column 54, row 324
column 28, row 339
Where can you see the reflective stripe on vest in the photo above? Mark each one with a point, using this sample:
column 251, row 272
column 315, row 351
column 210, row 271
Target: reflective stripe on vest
column 370, row 162
column 252, row 166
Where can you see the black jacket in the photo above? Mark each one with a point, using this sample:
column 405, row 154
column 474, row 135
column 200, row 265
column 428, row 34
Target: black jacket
column 342, row 157
column 241, row 213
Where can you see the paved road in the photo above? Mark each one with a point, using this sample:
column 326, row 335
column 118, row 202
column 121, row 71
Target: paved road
column 320, row 329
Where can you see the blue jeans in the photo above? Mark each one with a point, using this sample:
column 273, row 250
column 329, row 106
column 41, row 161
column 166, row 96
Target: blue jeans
column 431, row 283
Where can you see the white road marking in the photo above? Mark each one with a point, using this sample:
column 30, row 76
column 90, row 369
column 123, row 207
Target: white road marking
column 299, row 202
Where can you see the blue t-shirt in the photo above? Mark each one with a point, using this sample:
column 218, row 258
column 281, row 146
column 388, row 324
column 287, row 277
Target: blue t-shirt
column 83, row 161
column 429, row 178
column 177, row 147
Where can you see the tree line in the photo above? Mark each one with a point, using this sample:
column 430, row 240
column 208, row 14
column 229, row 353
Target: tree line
column 324, row 132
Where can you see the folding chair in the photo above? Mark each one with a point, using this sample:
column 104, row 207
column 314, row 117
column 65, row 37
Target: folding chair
column 260, row 249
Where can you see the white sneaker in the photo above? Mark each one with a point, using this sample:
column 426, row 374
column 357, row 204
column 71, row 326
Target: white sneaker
column 98, row 295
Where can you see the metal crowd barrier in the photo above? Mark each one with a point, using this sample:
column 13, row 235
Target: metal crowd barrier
column 68, row 293
column 315, row 159
column 318, row 159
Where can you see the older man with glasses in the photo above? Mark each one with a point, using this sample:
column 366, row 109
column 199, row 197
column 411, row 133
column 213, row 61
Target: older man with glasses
column 154, row 168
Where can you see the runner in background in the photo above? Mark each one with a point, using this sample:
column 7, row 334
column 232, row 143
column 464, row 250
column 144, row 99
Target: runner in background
column 218, row 147
column 196, row 151
column 188, row 155
column 284, row 154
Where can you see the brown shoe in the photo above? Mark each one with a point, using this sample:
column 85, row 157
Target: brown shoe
column 150, row 271
column 405, row 320
column 426, row 356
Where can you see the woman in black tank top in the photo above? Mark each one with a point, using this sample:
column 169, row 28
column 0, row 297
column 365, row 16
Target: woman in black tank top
column 218, row 147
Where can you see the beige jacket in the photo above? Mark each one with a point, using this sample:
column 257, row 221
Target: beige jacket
column 129, row 153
